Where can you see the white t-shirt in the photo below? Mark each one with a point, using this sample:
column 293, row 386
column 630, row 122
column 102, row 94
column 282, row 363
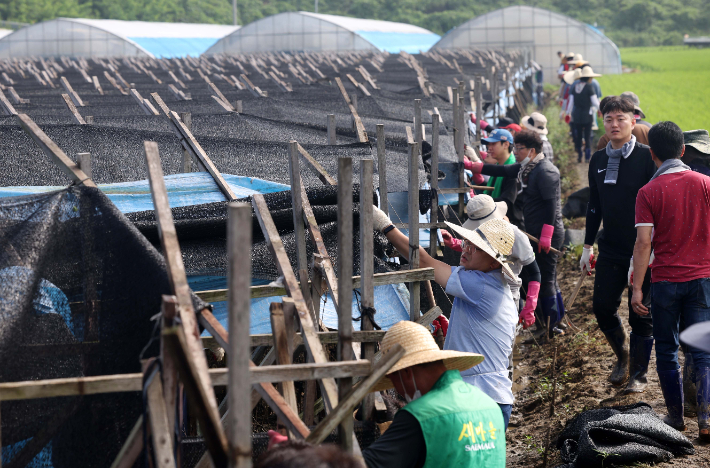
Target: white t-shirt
column 521, row 255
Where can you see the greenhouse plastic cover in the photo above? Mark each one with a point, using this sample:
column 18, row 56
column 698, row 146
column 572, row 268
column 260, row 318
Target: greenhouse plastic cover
column 195, row 188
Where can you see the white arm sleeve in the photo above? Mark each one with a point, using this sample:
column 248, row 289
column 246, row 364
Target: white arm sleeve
column 570, row 104
column 595, row 101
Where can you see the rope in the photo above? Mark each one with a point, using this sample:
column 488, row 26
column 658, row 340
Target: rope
column 368, row 312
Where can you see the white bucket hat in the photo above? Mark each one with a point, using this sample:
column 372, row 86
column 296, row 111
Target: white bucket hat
column 420, row 348
column 536, row 122
column 494, row 237
column 482, row 208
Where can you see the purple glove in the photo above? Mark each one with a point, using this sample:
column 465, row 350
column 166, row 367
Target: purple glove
column 527, row 315
column 545, row 238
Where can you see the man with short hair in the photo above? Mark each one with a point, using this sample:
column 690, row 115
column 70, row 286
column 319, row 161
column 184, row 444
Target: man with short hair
column 538, row 182
column 616, row 174
column 641, row 127
column 672, row 218
column 446, row 422
column 500, row 153
column 537, row 122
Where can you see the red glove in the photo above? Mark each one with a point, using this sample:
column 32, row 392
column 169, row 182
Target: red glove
column 474, row 167
column 593, row 263
column 527, row 315
column 451, row 242
column 473, row 119
column 275, row 438
column 568, row 118
column 545, row 238
column 441, row 322
column 467, row 163
column 477, row 179
column 484, row 125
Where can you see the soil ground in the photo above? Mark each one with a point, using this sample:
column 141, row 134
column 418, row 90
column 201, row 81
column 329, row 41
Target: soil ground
column 584, row 361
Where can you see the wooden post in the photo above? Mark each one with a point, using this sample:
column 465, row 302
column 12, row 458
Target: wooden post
column 239, row 303
column 186, row 118
column 188, row 343
column 238, row 105
column 345, row 287
column 382, row 167
column 85, row 163
column 414, row 287
column 298, row 227
column 418, row 133
column 170, row 378
column 160, row 431
column 479, row 113
column 433, row 238
column 89, row 119
column 367, row 268
column 282, row 342
column 332, row 140
column 458, row 146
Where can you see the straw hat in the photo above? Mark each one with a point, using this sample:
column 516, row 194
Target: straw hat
column 536, row 122
column 482, row 208
column 577, row 59
column 572, row 75
column 587, row 72
column 494, row 237
column 420, row 348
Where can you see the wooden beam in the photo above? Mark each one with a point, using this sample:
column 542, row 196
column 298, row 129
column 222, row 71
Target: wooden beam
column 284, row 350
column 319, row 170
column 78, row 119
column 132, row 448
column 160, row 430
column 352, row 398
column 360, row 128
column 7, row 108
column 239, row 305
column 195, row 360
column 367, row 268
column 265, row 389
column 345, row 288
column 414, row 287
column 189, row 142
column 379, row 279
column 51, row 149
column 434, row 210
column 313, row 344
column 382, row 167
column 266, row 339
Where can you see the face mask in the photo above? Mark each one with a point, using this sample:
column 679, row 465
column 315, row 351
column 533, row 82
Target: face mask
column 526, row 160
column 417, row 393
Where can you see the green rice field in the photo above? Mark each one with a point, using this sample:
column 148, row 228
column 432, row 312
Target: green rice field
column 673, row 83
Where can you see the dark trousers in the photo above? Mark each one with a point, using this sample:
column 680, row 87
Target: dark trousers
column 583, row 131
column 610, row 281
column 690, row 301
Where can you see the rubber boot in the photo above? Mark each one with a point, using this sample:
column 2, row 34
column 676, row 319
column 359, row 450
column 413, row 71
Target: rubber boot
column 617, row 341
column 689, row 390
column 587, row 154
column 549, row 308
column 561, row 310
column 672, row 388
column 640, row 348
column 702, row 376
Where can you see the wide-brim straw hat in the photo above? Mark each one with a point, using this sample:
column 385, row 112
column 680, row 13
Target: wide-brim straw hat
column 483, row 208
column 420, row 348
column 587, row 72
column 495, row 237
column 572, row 75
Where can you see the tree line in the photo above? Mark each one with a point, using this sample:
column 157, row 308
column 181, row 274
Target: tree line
column 626, row 22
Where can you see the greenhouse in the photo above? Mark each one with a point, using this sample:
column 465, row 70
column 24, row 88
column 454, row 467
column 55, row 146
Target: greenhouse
column 540, row 31
column 111, row 38
column 304, row 31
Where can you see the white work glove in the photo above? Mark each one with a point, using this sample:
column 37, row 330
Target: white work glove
column 379, row 219
column 585, row 261
column 471, row 154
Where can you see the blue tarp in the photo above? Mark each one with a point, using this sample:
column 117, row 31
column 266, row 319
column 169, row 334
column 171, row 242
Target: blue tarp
column 169, row 47
column 391, row 303
column 396, row 42
column 194, row 188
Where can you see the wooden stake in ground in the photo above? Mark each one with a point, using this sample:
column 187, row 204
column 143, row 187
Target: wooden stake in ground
column 239, row 303
column 577, row 287
column 414, row 288
column 367, row 270
column 382, row 167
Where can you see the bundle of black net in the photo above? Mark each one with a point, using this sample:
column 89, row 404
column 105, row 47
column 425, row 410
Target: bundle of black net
column 202, row 232
column 78, row 287
column 622, row 435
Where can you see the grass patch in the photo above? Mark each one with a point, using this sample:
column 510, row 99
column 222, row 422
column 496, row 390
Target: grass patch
column 671, row 83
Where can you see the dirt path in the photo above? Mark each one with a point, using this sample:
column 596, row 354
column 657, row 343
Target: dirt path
column 584, row 362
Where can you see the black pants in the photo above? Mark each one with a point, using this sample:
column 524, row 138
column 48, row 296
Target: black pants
column 583, row 131
column 609, row 283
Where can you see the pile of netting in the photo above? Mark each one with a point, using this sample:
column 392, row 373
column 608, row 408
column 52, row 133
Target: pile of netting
column 624, row 435
column 78, row 287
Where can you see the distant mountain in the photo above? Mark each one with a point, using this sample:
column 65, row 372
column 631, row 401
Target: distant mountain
column 627, row 22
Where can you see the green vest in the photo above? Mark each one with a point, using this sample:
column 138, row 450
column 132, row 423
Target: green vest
column 462, row 426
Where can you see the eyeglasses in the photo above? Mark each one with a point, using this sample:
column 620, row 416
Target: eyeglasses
column 520, row 148
column 468, row 245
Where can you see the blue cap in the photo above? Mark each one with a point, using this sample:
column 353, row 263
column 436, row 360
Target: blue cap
column 499, row 134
